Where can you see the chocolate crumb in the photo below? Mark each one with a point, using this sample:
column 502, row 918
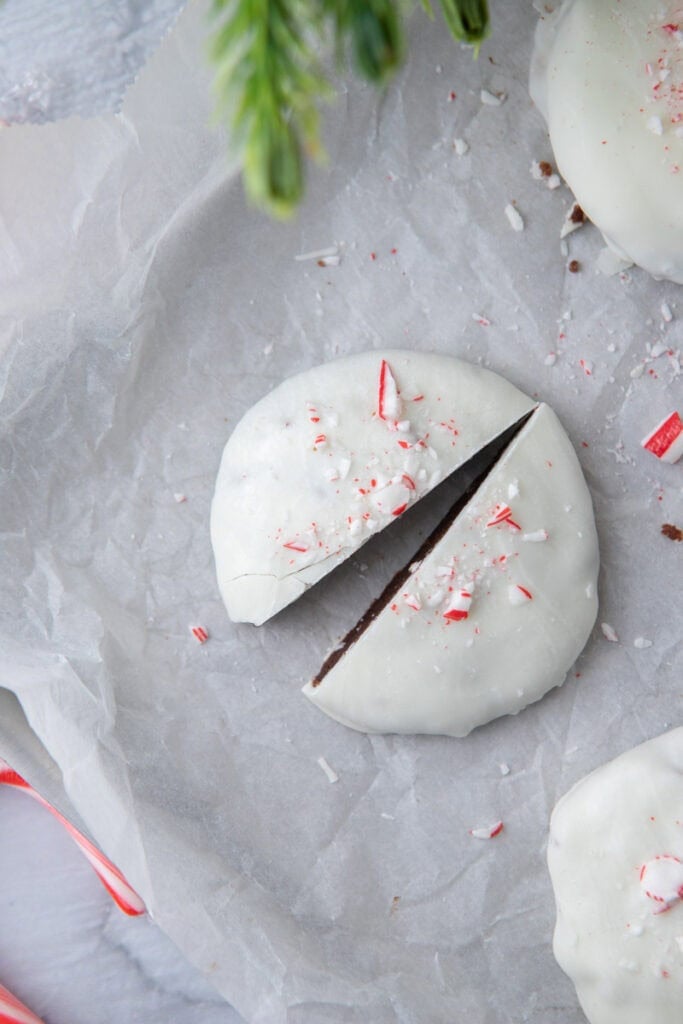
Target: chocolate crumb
column 574, row 267
column 577, row 216
column 545, row 168
column 321, row 263
column 394, row 904
column 672, row 532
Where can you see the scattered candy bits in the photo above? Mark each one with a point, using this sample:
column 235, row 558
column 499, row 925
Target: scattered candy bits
column 661, row 879
column 666, row 440
column 489, row 832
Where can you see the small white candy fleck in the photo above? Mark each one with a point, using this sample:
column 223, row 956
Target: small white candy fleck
column 331, row 474
column 641, row 643
column 589, row 591
column 513, row 489
column 637, row 371
column 550, row 359
column 536, row 171
column 487, row 833
column 667, row 315
column 629, row 966
column 330, row 772
column 434, row 478
column 179, row 498
column 611, row 347
column 636, row 930
column 489, row 99
column 437, row 670
column 460, row 147
column 553, row 182
column 535, row 537
column 344, row 467
column 658, row 349
column 514, row 217
column 403, row 426
column 609, row 632
column 655, row 125
column 387, row 817
column 504, row 768
column 268, row 349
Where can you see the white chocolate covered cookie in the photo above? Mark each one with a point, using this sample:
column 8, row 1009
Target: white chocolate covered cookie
column 334, row 455
column 616, row 862
column 608, row 76
column 494, row 614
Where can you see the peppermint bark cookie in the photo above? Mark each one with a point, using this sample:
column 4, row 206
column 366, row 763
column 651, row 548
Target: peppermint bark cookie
column 616, row 862
column 494, row 613
column 608, row 77
column 336, row 454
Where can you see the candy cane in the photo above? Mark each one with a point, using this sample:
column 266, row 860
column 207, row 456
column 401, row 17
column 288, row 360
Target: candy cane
column 666, row 440
column 14, row 1012
column 116, row 885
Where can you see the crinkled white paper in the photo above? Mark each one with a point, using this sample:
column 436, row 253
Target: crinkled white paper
column 143, row 309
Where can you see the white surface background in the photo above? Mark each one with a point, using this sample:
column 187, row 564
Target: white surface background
column 189, row 318
column 65, row 949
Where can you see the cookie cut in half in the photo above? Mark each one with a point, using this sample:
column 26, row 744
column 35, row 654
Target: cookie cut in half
column 334, row 455
column 498, row 606
column 616, row 862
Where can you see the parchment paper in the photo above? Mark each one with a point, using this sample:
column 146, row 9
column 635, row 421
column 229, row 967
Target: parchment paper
column 143, row 309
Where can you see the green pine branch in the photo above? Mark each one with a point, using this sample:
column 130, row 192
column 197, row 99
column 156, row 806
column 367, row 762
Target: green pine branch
column 270, row 83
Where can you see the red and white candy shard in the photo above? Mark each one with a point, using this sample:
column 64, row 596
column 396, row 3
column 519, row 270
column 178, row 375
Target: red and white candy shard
column 116, row 885
column 500, row 620
column 661, row 879
column 12, row 1011
column 614, row 854
column 488, row 832
column 666, row 440
column 458, row 606
column 348, row 446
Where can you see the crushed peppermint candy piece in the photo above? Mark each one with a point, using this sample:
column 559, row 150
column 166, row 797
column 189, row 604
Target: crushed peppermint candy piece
column 504, row 768
column 587, row 366
column 574, row 219
column 490, row 832
column 330, row 252
column 513, row 489
column 667, row 315
column 330, row 772
column 658, row 349
column 550, row 359
column 179, row 498
column 641, row 643
column 199, row 633
column 535, row 537
column 483, row 320
column 389, row 403
column 503, row 514
column 490, row 99
column 458, row 606
column 514, row 217
column 661, row 880
column 609, row 632
column 553, row 182
column 517, row 594
column 655, row 125
column 666, row 440
column 413, row 601
column 461, row 147
column 296, row 545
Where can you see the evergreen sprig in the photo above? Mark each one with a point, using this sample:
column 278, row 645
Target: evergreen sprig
column 270, row 82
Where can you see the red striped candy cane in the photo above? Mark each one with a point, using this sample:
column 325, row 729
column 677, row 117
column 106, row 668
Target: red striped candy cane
column 116, row 885
column 14, row 1012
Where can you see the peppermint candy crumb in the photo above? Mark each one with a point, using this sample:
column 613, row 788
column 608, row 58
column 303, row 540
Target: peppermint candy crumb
column 609, row 632
column 641, row 643
column 200, row 634
column 489, row 832
column 514, row 217
column 329, row 772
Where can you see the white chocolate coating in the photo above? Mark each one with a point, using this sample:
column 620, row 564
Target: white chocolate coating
column 495, row 614
column 312, row 471
column 608, row 77
column 624, row 955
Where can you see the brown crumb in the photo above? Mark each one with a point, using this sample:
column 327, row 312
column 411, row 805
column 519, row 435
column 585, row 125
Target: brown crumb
column 574, row 267
column 672, row 532
column 321, row 263
column 577, row 216
column 394, row 904
column 545, row 168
